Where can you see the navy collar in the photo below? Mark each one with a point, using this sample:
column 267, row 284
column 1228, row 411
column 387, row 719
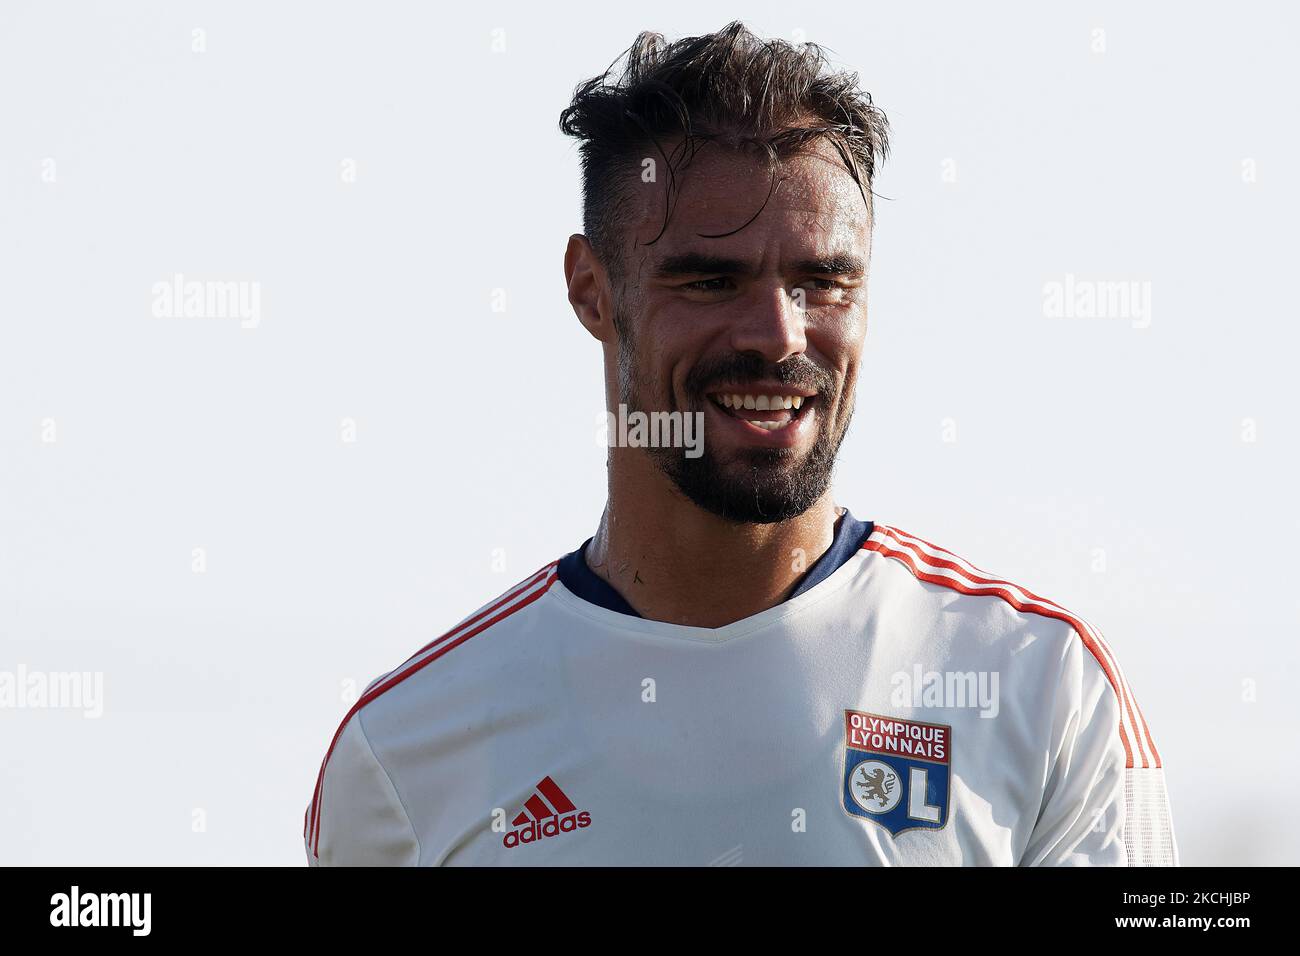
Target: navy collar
column 574, row 574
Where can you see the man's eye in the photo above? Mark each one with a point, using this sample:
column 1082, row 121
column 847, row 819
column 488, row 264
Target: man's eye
column 822, row 285
column 709, row 285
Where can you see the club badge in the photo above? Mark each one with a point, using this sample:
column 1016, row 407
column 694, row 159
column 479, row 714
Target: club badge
column 896, row 771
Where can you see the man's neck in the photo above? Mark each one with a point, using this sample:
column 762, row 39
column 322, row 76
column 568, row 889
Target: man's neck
column 674, row 562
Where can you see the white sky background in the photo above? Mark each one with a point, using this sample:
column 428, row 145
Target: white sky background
column 330, row 561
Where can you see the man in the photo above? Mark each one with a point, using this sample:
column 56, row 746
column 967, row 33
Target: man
column 734, row 669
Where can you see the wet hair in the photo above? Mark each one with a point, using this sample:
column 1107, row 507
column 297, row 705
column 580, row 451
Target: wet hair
column 729, row 87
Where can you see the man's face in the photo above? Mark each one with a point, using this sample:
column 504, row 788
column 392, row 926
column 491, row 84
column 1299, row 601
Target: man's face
column 761, row 330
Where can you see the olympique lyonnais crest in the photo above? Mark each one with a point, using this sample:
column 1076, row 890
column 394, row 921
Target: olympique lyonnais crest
column 896, row 771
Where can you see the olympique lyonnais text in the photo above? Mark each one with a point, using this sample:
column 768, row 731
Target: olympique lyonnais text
column 888, row 735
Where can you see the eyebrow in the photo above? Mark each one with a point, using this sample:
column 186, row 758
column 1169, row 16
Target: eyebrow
column 699, row 263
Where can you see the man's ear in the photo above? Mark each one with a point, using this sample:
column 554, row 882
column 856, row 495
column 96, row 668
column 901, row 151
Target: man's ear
column 589, row 292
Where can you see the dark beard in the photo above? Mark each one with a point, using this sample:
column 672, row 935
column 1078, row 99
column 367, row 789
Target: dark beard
column 766, row 487
column 763, row 485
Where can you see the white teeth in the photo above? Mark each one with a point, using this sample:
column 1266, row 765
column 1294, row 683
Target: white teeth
column 760, row 403
column 770, row 426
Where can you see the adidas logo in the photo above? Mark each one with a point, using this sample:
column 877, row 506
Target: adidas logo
column 547, row 813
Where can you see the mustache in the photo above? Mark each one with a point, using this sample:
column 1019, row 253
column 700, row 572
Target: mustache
column 740, row 368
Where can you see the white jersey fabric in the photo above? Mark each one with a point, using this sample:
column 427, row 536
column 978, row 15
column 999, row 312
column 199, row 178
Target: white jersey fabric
column 909, row 709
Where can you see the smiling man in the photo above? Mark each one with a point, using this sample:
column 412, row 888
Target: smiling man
column 734, row 669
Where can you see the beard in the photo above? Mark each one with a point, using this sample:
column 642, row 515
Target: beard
column 755, row 485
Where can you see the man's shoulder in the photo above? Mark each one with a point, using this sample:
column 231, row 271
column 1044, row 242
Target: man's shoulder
column 1011, row 617
column 941, row 570
column 462, row 662
column 503, row 614
column 358, row 750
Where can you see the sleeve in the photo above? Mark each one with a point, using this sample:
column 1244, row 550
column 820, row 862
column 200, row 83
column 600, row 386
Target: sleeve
column 356, row 817
column 1104, row 803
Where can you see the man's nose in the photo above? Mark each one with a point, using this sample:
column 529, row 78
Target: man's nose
column 771, row 325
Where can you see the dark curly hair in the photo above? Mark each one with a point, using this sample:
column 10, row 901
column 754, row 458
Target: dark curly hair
column 730, row 87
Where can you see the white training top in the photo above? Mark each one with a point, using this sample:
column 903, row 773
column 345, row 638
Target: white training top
column 908, row 709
